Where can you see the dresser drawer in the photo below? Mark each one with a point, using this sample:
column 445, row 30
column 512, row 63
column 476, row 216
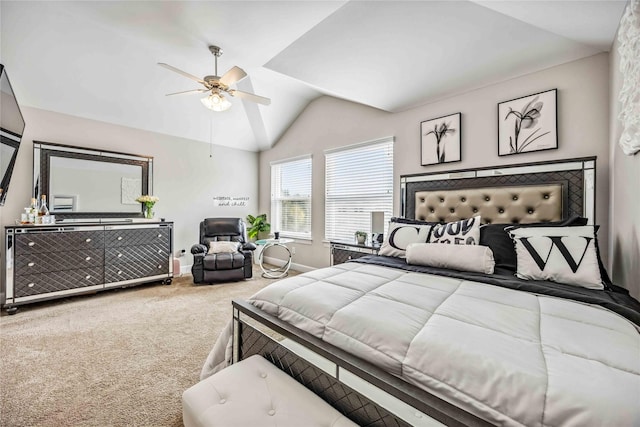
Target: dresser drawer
column 57, row 261
column 36, row 243
column 126, row 254
column 135, row 270
column 136, row 237
column 43, row 283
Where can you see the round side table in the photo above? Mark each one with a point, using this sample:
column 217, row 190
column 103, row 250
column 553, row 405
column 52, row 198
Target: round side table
column 278, row 272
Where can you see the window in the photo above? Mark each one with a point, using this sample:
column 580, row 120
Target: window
column 358, row 181
column 291, row 197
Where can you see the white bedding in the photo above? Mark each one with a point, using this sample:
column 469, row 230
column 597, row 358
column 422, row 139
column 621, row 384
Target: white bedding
column 510, row 357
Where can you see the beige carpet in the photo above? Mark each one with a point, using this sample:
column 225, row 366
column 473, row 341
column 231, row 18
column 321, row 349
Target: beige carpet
column 116, row 358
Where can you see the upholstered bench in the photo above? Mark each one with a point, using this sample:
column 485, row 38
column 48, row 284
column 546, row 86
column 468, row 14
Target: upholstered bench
column 254, row 393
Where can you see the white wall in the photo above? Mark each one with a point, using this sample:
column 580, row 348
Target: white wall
column 186, row 178
column 583, row 125
column 624, row 209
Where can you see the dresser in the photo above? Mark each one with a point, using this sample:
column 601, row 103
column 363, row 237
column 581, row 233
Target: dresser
column 342, row 251
column 54, row 261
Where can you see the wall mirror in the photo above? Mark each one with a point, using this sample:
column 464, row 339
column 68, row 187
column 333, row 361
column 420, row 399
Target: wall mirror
column 11, row 130
column 83, row 183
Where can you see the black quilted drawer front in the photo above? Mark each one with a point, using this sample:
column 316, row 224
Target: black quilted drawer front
column 136, row 270
column 57, row 261
column 36, row 243
column 135, row 237
column 343, row 255
column 35, row 284
column 126, row 254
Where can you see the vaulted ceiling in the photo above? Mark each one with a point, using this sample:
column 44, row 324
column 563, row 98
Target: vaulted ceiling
column 98, row 59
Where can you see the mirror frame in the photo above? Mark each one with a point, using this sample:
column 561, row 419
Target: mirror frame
column 10, row 138
column 43, row 151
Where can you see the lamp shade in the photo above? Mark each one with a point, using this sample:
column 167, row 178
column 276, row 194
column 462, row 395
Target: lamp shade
column 216, row 102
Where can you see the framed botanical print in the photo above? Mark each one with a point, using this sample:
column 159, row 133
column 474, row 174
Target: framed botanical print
column 528, row 124
column 440, row 140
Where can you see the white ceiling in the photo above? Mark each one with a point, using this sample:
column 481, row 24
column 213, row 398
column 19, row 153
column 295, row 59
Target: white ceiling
column 98, row 60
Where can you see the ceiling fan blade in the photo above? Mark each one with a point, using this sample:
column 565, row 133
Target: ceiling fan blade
column 184, row 73
column 232, row 76
column 188, row 91
column 250, row 96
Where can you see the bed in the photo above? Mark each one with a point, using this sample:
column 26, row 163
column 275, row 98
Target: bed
column 390, row 343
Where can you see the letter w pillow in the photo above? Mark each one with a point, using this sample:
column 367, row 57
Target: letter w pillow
column 560, row 254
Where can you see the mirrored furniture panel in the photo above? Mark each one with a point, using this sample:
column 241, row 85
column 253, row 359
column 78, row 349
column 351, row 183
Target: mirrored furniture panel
column 55, row 261
column 83, row 183
column 11, row 130
column 342, row 251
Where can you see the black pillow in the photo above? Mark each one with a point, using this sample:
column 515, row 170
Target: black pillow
column 504, row 252
column 412, row 221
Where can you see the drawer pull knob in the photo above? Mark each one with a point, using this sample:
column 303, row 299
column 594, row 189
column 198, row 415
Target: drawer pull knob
column 88, row 276
column 119, row 255
column 159, row 251
column 31, row 285
column 88, row 258
column 159, row 236
column 31, row 264
column 32, row 243
column 159, row 266
column 119, row 237
column 119, row 272
column 88, row 240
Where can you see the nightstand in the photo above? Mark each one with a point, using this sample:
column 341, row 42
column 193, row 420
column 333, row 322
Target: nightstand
column 343, row 251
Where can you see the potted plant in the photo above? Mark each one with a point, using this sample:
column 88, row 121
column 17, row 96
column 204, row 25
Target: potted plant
column 257, row 225
column 361, row 237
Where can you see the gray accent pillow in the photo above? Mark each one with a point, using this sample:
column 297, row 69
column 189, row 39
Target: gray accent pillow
column 223, row 247
column 474, row 258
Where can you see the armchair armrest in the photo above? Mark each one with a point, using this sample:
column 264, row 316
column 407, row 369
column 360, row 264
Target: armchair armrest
column 249, row 246
column 198, row 249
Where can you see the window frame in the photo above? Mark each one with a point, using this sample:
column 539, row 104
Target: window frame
column 390, row 140
column 276, row 200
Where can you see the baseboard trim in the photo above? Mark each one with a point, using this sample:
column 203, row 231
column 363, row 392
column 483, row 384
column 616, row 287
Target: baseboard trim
column 294, row 266
column 185, row 269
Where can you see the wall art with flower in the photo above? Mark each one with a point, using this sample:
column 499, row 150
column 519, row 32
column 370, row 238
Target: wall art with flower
column 528, row 123
column 440, row 140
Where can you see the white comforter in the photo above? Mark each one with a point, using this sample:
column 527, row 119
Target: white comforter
column 510, row 357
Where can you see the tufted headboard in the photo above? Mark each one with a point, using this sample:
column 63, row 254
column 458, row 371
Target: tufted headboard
column 524, row 204
column 536, row 192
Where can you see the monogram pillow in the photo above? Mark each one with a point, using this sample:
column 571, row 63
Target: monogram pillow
column 401, row 235
column 463, row 232
column 561, row 254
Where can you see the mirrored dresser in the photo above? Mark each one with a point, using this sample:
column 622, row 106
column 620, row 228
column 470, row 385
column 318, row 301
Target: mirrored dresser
column 53, row 261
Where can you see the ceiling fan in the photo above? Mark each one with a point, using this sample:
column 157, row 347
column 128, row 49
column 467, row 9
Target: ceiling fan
column 217, row 85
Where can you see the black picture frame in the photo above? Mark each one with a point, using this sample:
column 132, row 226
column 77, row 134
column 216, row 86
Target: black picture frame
column 528, row 124
column 440, row 140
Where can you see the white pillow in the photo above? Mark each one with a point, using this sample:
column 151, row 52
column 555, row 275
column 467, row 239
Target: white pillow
column 401, row 235
column 223, row 247
column 463, row 232
column 455, row 257
column 560, row 254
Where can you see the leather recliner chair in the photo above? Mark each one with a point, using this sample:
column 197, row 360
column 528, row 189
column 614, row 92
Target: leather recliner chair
column 218, row 267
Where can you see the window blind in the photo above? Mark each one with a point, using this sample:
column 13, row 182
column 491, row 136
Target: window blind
column 291, row 198
column 358, row 180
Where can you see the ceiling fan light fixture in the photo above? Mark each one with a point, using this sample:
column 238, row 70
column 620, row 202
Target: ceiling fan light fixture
column 216, row 102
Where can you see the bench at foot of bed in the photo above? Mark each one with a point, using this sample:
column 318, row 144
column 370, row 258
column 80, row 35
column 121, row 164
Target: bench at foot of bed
column 253, row 392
